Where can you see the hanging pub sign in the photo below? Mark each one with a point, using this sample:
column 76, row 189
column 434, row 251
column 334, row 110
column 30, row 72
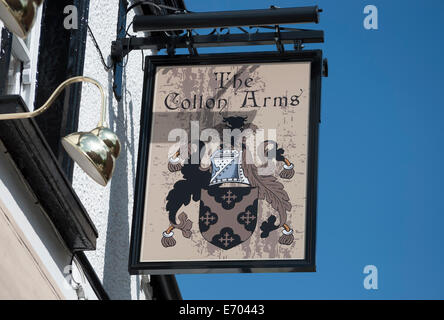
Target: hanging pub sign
column 227, row 164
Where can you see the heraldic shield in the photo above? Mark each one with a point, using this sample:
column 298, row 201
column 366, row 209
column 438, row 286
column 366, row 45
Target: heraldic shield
column 228, row 215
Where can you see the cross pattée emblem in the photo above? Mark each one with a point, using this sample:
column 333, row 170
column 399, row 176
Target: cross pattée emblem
column 229, row 197
column 226, row 239
column 247, row 217
column 207, row 218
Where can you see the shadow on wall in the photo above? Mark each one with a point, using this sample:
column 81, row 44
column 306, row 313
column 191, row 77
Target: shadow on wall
column 116, row 279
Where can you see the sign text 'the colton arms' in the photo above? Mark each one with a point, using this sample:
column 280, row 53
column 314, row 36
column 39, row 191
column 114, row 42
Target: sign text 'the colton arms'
column 251, row 98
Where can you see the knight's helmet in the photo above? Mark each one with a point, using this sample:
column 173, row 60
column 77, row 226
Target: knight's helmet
column 227, row 168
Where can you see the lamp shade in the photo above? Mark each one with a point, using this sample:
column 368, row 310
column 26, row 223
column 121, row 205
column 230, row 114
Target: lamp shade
column 19, row 15
column 109, row 138
column 95, row 152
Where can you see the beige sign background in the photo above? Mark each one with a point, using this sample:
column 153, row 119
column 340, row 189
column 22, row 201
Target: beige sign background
column 195, row 93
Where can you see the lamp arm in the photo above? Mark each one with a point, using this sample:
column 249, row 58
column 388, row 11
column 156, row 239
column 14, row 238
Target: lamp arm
column 53, row 97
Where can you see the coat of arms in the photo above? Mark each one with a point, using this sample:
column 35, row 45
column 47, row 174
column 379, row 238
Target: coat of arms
column 229, row 191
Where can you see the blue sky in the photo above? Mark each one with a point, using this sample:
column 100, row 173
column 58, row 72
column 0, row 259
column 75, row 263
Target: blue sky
column 381, row 180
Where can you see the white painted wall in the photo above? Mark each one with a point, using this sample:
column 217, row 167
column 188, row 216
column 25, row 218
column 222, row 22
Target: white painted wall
column 16, row 199
column 111, row 207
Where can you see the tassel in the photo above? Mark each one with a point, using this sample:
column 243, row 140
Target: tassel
column 287, row 238
column 168, row 242
column 174, row 165
column 288, row 171
column 168, row 239
column 185, row 226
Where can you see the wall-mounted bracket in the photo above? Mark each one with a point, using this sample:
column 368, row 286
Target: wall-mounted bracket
column 121, row 47
column 226, row 19
column 277, row 38
column 116, row 49
column 169, row 32
column 189, row 42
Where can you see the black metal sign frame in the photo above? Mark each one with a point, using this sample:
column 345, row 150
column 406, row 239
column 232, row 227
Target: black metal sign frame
column 244, row 266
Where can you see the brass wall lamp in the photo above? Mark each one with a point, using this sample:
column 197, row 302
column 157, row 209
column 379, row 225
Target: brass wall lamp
column 19, row 15
column 95, row 151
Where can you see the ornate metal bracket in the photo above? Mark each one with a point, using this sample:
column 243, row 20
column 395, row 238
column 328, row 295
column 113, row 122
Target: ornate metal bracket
column 170, row 34
column 217, row 38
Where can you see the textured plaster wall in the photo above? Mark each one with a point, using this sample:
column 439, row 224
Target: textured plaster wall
column 111, row 207
column 36, row 233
